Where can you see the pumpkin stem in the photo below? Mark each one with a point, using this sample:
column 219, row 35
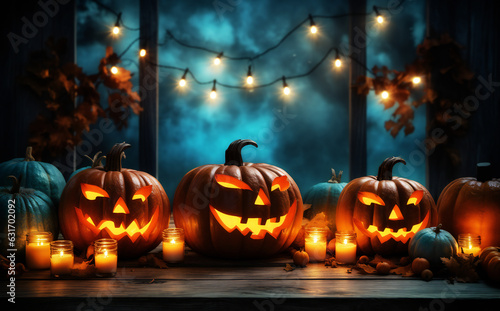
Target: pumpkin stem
column 96, row 160
column 114, row 157
column 29, row 155
column 335, row 179
column 483, row 172
column 16, row 184
column 438, row 228
column 385, row 169
column 233, row 152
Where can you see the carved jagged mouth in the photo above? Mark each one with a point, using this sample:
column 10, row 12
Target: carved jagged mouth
column 272, row 226
column 133, row 230
column 402, row 235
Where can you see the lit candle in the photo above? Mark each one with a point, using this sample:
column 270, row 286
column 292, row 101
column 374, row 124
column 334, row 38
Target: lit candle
column 61, row 257
column 469, row 243
column 345, row 247
column 106, row 257
column 38, row 250
column 315, row 244
column 173, row 245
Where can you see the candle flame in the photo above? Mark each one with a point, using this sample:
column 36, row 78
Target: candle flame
column 105, row 253
column 172, row 241
column 316, row 239
column 61, row 253
column 345, row 241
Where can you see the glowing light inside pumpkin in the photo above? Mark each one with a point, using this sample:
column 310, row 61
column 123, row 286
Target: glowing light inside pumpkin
column 143, row 193
column 231, row 182
column 91, row 192
column 280, row 183
column 402, row 235
column 368, row 198
column 262, row 198
column 120, row 207
column 396, row 213
column 416, row 197
column 272, row 226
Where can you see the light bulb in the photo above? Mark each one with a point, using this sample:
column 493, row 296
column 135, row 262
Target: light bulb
column 213, row 94
column 338, row 63
column 286, row 90
column 380, row 19
column 116, row 30
column 217, row 61
column 385, row 94
column 114, row 70
column 249, row 80
column 314, row 29
column 142, row 52
column 416, row 80
column 182, row 82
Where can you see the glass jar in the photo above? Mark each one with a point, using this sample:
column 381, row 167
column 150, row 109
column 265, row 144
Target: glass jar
column 38, row 250
column 61, row 258
column 173, row 245
column 469, row 243
column 106, row 257
column 345, row 247
column 315, row 243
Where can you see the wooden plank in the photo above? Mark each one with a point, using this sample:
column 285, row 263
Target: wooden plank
column 357, row 103
column 148, row 84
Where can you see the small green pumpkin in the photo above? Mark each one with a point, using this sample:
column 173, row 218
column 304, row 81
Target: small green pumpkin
column 96, row 162
column 323, row 197
column 34, row 211
column 41, row 176
column 432, row 244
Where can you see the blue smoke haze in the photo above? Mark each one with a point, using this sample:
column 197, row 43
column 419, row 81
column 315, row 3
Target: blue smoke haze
column 195, row 130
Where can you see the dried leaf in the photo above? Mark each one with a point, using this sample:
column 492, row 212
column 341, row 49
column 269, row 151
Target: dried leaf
column 403, row 270
column 462, row 268
column 365, row 269
column 288, row 268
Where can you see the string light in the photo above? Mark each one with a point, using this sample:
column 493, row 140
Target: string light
column 337, row 61
column 385, row 94
column 182, row 81
column 379, row 18
column 142, row 52
column 116, row 28
column 416, row 80
column 312, row 27
column 213, row 93
column 286, row 89
column 249, row 75
column 114, row 70
column 217, row 59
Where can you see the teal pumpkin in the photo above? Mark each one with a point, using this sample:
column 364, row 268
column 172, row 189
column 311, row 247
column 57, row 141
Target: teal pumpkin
column 41, row 176
column 34, row 211
column 432, row 244
column 96, row 162
column 323, row 197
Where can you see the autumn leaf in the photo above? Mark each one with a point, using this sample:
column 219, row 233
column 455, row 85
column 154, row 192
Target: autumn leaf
column 462, row 268
column 365, row 269
column 403, row 271
column 288, row 268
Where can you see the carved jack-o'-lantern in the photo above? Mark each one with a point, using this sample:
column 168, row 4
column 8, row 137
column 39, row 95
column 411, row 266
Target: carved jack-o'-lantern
column 385, row 211
column 127, row 205
column 238, row 210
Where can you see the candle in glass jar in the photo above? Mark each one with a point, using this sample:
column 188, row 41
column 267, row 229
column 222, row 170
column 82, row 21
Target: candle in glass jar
column 469, row 243
column 345, row 247
column 106, row 257
column 315, row 244
column 61, row 257
column 38, row 250
column 173, row 245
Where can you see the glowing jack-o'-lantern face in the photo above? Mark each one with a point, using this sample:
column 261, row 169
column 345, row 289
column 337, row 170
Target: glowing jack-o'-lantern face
column 112, row 202
column 385, row 211
column 237, row 209
column 258, row 227
column 133, row 230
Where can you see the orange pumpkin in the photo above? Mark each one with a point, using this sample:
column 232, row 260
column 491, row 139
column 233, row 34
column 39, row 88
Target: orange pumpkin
column 490, row 260
column 113, row 202
column 385, row 211
column 472, row 205
column 237, row 209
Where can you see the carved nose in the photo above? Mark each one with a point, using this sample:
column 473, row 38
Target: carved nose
column 262, row 198
column 396, row 214
column 120, row 207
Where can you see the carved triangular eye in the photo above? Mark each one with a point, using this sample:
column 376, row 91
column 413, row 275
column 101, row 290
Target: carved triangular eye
column 280, row 183
column 143, row 193
column 368, row 198
column 91, row 192
column 231, row 182
column 416, row 197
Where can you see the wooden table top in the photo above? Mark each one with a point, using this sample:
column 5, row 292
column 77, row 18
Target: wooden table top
column 207, row 283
